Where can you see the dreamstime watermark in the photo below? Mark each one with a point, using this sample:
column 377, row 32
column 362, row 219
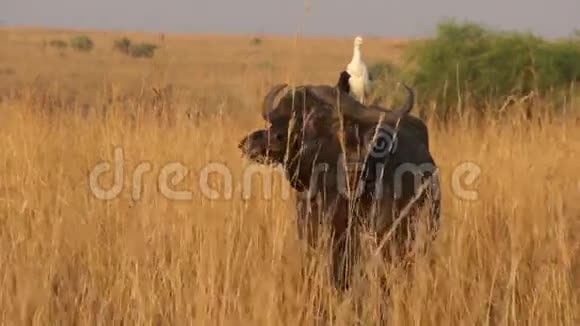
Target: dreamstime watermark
column 467, row 173
column 172, row 174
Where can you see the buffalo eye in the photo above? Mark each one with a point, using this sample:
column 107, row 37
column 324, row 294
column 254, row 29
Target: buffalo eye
column 278, row 135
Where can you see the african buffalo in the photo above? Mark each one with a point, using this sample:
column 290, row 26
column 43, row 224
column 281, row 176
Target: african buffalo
column 318, row 134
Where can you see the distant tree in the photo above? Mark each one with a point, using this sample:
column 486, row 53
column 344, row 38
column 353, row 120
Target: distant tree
column 82, row 43
column 123, row 45
column 142, row 50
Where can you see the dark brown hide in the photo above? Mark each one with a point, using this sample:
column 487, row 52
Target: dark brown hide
column 313, row 131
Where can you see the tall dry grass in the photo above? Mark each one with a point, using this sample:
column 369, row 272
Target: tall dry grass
column 507, row 258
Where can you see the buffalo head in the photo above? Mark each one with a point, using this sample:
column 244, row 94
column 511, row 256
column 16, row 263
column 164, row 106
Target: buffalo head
column 312, row 125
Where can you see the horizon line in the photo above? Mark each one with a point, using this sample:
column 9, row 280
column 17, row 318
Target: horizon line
column 301, row 34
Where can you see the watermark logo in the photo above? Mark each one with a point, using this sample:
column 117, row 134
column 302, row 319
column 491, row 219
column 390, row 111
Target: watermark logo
column 384, row 142
column 173, row 173
column 468, row 172
column 371, row 173
column 104, row 167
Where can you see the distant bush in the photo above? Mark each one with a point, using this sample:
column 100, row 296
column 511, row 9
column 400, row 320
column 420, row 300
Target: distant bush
column 139, row 50
column 59, row 44
column 488, row 66
column 82, row 43
column 256, row 41
column 142, row 50
column 122, row 45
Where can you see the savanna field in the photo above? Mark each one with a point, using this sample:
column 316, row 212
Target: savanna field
column 508, row 257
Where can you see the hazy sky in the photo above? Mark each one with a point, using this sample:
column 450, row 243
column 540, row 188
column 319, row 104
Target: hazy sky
column 405, row 18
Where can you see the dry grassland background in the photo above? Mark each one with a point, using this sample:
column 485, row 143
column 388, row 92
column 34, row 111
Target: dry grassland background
column 508, row 258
